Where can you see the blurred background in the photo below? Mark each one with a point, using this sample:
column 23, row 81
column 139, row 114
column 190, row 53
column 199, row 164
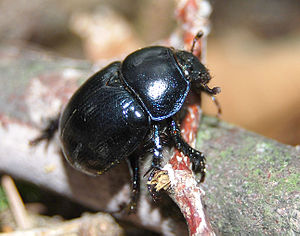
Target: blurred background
column 253, row 48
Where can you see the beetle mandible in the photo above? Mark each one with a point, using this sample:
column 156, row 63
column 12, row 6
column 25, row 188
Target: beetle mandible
column 127, row 106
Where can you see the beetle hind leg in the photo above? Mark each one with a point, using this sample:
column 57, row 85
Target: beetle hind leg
column 48, row 132
column 135, row 172
column 196, row 158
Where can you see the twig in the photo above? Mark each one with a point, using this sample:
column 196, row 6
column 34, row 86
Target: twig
column 88, row 224
column 185, row 191
column 15, row 202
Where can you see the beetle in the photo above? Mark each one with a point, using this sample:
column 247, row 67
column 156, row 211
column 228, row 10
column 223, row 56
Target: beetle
column 130, row 107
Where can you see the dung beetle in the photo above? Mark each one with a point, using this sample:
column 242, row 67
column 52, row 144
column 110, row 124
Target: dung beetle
column 128, row 108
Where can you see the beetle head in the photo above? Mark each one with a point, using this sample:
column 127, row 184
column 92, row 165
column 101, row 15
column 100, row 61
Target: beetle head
column 195, row 71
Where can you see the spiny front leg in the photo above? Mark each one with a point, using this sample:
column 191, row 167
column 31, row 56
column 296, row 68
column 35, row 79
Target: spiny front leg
column 196, row 158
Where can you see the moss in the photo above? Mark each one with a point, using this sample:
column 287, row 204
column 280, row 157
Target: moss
column 202, row 136
column 205, row 132
column 248, row 176
column 288, row 184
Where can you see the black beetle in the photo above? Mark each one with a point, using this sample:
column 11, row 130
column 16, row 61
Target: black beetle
column 128, row 106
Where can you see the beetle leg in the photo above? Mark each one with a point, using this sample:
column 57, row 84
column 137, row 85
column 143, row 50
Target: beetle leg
column 135, row 169
column 48, row 132
column 212, row 92
column 157, row 151
column 217, row 105
column 196, row 158
column 157, row 156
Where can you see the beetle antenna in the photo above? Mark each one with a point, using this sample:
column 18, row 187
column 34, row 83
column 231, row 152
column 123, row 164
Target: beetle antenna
column 196, row 38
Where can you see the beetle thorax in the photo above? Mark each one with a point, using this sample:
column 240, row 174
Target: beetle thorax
column 153, row 75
